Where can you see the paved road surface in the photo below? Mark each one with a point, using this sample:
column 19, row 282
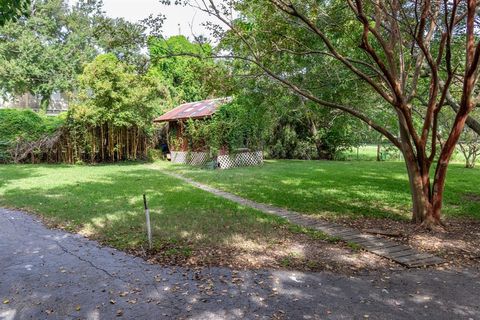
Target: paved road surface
column 50, row 274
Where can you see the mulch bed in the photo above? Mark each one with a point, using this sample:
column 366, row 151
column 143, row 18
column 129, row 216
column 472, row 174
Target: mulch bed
column 458, row 244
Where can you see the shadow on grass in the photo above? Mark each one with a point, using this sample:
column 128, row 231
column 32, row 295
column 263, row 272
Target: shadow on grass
column 189, row 225
column 339, row 189
column 111, row 209
column 325, row 188
column 11, row 173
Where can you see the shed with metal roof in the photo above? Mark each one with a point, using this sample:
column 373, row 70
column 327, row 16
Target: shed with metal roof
column 177, row 140
column 181, row 151
column 193, row 110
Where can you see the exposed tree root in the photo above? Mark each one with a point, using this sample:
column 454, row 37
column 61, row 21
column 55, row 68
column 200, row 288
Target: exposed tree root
column 432, row 224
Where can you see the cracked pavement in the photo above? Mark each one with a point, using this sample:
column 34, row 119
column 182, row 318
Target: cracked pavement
column 51, row 274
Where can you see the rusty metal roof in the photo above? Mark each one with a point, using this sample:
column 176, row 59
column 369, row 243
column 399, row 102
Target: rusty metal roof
column 193, row 110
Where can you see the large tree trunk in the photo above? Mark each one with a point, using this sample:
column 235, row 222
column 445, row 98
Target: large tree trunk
column 426, row 206
column 442, row 166
column 419, row 181
column 421, row 207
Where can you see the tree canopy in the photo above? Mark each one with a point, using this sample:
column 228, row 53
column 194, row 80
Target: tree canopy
column 45, row 52
column 188, row 78
column 12, row 10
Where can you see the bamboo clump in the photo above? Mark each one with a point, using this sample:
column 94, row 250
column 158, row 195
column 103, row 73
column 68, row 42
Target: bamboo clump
column 102, row 143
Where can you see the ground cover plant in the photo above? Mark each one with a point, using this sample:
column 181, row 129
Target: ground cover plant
column 190, row 227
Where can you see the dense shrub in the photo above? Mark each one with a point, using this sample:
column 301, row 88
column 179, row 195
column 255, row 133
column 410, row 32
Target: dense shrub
column 23, row 125
column 231, row 128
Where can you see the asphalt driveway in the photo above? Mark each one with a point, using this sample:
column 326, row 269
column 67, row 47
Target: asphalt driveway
column 51, row 274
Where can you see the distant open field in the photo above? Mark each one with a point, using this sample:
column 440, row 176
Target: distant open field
column 368, row 152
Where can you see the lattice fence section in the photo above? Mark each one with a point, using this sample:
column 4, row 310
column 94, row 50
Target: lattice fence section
column 178, row 157
column 191, row 158
column 198, row 158
column 242, row 159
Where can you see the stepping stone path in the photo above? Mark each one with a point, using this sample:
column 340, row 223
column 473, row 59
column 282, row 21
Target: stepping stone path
column 386, row 248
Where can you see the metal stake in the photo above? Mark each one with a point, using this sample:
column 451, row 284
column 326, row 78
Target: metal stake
column 147, row 216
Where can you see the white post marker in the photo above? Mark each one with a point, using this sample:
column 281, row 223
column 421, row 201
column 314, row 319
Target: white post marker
column 147, row 216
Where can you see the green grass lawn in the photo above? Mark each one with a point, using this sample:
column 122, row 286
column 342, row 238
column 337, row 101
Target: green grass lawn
column 105, row 202
column 339, row 189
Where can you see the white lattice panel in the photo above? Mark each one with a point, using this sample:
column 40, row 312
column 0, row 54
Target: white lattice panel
column 178, row 157
column 242, row 159
column 198, row 158
column 191, row 158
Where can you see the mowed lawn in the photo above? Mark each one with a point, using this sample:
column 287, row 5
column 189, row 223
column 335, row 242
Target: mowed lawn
column 190, row 226
column 105, row 202
column 339, row 189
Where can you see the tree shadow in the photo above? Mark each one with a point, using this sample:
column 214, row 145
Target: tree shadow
column 189, row 225
column 339, row 189
column 10, row 173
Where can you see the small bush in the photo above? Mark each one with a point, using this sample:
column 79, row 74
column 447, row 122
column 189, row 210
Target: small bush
column 154, row 155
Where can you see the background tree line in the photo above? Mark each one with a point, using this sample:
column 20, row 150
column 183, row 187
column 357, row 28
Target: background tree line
column 115, row 87
column 59, row 48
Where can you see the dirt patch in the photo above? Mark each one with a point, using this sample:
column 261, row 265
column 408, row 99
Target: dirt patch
column 294, row 252
column 471, row 197
column 459, row 244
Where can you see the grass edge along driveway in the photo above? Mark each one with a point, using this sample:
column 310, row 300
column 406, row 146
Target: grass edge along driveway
column 105, row 203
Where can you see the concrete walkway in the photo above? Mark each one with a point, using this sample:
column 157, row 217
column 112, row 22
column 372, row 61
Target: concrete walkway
column 51, row 274
column 389, row 249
